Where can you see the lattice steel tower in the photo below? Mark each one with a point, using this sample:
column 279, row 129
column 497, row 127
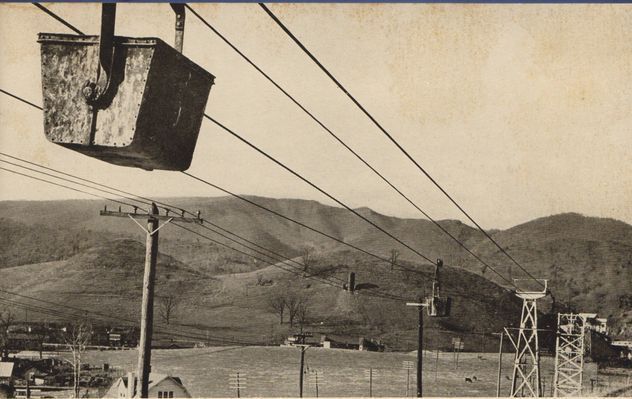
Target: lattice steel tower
column 525, row 380
column 569, row 354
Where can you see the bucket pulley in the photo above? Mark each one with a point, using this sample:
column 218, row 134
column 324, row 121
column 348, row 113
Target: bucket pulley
column 438, row 306
column 128, row 101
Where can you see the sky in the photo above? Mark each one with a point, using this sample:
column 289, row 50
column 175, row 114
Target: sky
column 519, row 111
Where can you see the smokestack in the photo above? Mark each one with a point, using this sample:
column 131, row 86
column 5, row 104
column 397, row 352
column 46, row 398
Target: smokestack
column 351, row 283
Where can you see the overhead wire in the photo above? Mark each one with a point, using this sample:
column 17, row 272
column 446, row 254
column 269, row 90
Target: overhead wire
column 316, row 187
column 391, row 138
column 111, row 188
column 340, row 141
column 59, row 19
column 291, row 270
column 67, row 187
column 346, row 146
column 166, row 206
column 96, row 315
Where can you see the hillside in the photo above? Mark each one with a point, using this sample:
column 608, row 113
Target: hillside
column 587, row 260
column 107, row 279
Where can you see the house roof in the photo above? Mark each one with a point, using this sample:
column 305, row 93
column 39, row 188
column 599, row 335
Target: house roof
column 6, row 369
column 155, row 379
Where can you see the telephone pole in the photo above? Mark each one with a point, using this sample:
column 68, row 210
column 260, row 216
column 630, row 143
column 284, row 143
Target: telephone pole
column 437, row 306
column 147, row 307
column 302, row 366
column 420, row 339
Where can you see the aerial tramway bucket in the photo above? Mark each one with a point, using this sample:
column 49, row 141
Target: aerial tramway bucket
column 128, row 101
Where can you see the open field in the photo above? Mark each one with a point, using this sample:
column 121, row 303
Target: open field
column 273, row 371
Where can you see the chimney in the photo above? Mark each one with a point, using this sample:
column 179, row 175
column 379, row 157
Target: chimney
column 351, row 283
column 131, row 384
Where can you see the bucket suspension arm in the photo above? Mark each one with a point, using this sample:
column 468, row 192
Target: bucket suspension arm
column 95, row 91
column 178, row 8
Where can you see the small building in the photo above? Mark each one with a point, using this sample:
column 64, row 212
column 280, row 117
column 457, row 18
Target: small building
column 160, row 386
column 6, row 373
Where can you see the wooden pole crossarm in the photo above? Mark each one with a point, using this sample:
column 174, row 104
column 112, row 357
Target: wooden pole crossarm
column 146, row 216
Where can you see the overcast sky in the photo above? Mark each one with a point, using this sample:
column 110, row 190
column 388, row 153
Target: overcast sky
column 519, row 111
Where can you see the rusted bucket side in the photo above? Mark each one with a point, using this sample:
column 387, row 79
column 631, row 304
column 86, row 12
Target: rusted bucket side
column 67, row 63
column 116, row 124
column 173, row 106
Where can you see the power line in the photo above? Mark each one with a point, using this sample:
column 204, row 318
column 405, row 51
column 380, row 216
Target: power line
column 337, row 138
column 208, row 228
column 216, row 232
column 68, row 180
column 322, row 280
column 304, row 179
column 149, row 200
column 389, row 136
column 212, row 185
column 344, row 144
column 98, row 316
column 112, row 188
column 67, row 187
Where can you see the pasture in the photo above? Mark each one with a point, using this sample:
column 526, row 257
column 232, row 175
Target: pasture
column 274, row 371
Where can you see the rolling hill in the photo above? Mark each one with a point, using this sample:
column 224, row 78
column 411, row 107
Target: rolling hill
column 588, row 260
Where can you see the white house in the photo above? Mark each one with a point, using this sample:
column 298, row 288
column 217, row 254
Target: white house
column 160, row 386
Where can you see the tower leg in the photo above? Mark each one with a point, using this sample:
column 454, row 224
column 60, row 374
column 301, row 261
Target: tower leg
column 526, row 368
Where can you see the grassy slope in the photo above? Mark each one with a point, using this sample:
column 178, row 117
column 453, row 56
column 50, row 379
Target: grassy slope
column 589, row 260
column 107, row 279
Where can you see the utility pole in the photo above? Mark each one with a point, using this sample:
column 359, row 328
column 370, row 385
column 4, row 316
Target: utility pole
column 147, row 307
column 500, row 362
column 420, row 339
column 302, row 366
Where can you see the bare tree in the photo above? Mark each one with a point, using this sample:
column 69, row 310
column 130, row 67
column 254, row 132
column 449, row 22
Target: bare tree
column 277, row 303
column 302, row 311
column 77, row 338
column 168, row 306
column 393, row 259
column 6, row 320
column 307, row 257
column 292, row 303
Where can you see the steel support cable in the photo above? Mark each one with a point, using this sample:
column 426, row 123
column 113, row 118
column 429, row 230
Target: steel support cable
column 322, row 125
column 313, row 185
column 315, row 119
column 58, row 19
column 320, row 279
column 223, row 235
column 112, row 188
column 390, row 137
column 299, row 223
column 109, row 192
column 280, row 163
column 260, row 252
column 288, row 259
column 337, row 138
column 67, row 187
